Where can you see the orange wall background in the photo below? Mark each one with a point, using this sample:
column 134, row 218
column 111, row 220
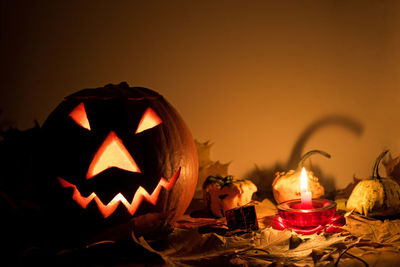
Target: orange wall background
column 250, row 76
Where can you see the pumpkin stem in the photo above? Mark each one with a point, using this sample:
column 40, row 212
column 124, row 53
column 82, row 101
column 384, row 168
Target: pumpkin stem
column 309, row 153
column 375, row 170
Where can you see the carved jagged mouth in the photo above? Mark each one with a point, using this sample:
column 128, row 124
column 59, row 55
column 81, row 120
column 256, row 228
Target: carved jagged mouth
column 140, row 195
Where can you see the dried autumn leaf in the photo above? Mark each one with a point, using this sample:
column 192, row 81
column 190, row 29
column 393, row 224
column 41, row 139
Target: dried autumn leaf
column 203, row 151
column 207, row 167
column 346, row 192
column 373, row 230
column 392, row 167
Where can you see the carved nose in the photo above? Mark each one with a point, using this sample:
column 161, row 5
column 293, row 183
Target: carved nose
column 112, row 153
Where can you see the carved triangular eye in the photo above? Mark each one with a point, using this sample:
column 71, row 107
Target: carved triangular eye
column 78, row 114
column 149, row 120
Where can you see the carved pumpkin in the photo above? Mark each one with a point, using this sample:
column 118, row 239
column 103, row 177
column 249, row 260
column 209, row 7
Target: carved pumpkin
column 376, row 196
column 119, row 153
column 286, row 186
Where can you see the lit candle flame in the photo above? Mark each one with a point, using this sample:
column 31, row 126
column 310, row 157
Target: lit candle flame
column 306, row 196
column 303, row 181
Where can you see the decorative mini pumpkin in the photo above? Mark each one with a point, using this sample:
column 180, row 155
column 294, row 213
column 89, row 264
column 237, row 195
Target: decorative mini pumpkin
column 286, row 186
column 224, row 193
column 119, row 153
column 375, row 196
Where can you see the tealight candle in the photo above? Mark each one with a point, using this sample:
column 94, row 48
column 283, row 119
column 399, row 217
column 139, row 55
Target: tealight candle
column 306, row 196
column 306, row 215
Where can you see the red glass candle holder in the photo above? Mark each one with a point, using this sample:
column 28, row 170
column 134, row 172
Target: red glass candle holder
column 296, row 217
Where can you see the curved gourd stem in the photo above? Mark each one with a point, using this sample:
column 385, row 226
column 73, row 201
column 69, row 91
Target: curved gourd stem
column 375, row 170
column 308, row 154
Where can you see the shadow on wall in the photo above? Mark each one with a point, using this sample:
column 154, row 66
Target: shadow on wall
column 264, row 176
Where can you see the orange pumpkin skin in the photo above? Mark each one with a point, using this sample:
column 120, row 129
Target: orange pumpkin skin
column 122, row 147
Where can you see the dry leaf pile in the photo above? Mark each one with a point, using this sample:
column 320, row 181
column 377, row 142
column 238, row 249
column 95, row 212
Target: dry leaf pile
column 363, row 242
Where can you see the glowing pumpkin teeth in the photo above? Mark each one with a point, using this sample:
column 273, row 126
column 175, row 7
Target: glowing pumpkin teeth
column 140, row 195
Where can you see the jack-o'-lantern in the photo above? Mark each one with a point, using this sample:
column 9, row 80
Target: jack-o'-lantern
column 118, row 153
column 376, row 196
column 286, row 185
